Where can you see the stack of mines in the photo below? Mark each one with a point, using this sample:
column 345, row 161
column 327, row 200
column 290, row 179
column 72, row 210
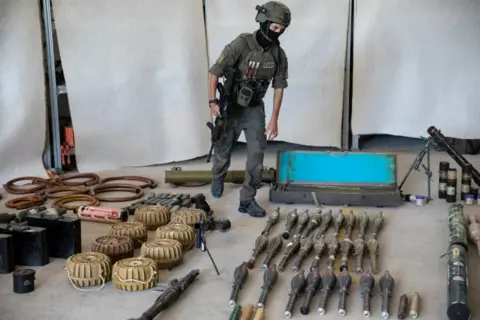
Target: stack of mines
column 457, row 269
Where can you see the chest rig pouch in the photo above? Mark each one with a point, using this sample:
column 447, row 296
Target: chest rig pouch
column 250, row 90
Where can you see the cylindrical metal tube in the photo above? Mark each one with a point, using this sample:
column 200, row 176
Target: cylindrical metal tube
column 469, row 200
column 290, row 305
column 452, row 186
column 323, row 302
column 247, row 312
column 385, row 308
column 466, row 180
column 234, row 295
column 366, row 305
column 263, row 297
column 442, row 179
column 474, row 191
column 359, row 263
column 342, row 304
column 402, row 307
column 457, row 284
column 236, row 313
column 305, row 308
column 414, row 306
column 315, row 263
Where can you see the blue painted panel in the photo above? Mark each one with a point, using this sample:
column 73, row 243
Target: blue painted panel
column 336, row 168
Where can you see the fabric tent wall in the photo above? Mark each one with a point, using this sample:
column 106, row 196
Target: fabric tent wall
column 22, row 91
column 416, row 64
column 315, row 45
column 136, row 75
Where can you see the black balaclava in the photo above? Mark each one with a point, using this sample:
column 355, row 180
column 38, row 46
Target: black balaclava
column 265, row 37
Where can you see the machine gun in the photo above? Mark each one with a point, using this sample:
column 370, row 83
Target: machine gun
column 225, row 91
column 169, row 296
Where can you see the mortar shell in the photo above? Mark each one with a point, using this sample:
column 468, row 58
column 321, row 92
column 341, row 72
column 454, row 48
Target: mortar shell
column 152, row 216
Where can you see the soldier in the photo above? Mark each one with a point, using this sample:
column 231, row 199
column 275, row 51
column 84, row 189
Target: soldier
column 258, row 60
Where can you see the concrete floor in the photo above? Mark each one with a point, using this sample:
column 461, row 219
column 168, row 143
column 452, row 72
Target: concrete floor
column 412, row 243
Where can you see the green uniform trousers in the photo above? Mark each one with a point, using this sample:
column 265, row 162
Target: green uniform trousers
column 251, row 121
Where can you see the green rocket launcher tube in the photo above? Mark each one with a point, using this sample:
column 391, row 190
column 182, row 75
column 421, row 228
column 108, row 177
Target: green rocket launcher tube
column 179, row 176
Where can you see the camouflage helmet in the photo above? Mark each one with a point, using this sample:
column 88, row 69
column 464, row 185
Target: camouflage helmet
column 274, row 11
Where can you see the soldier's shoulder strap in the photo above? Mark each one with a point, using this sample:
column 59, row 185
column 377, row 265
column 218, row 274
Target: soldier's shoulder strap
column 248, row 37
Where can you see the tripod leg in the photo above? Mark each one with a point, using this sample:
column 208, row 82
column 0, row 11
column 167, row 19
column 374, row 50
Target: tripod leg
column 429, row 177
column 211, row 258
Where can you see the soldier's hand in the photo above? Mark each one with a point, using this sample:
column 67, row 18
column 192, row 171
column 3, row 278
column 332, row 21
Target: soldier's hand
column 272, row 129
column 214, row 109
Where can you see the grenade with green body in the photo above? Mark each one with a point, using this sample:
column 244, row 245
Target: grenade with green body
column 302, row 222
column 260, row 246
column 313, row 222
column 272, row 220
column 270, row 277
column 377, row 224
column 347, row 245
column 326, row 219
column 332, row 252
column 292, row 248
column 305, row 249
column 274, row 246
column 292, row 218
column 359, row 243
column 338, row 222
column 240, row 276
column 318, row 249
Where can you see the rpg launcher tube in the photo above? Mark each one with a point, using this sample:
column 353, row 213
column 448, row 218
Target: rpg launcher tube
column 318, row 249
column 313, row 222
column 260, row 246
column 170, row 295
column 290, row 250
column 332, row 252
column 441, row 140
column 313, row 282
column 456, row 226
column 274, row 246
column 326, row 219
column 270, row 277
column 292, row 218
column 236, row 313
column 273, row 218
column 329, row 281
column 240, row 276
column 457, row 284
column 178, row 176
column 367, row 282
column 297, row 285
column 305, row 249
column 344, row 281
column 402, row 307
column 387, row 284
column 247, row 312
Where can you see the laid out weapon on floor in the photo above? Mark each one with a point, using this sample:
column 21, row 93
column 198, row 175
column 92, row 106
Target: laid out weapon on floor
column 240, row 276
column 291, row 249
column 259, row 314
column 297, row 285
column 292, row 218
column 178, row 176
column 313, row 282
column 402, row 311
column 441, row 140
column 305, row 249
column 170, row 295
column 236, row 313
column 270, row 277
column 332, row 249
column 372, row 244
column 274, row 246
column 387, row 284
column 165, row 199
column 313, row 222
column 326, row 219
column 247, row 312
column 272, row 220
column 359, row 243
column 302, row 222
column 318, row 249
column 414, row 310
column 338, row 222
column 367, row 282
column 347, row 244
column 260, row 245
column 344, row 281
column 200, row 238
column 329, row 281
column 225, row 92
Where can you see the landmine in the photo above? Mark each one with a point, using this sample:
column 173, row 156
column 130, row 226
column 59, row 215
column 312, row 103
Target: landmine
column 135, row 274
column 88, row 269
column 189, row 216
column 134, row 230
column 166, row 253
column 183, row 233
column 115, row 247
column 152, row 216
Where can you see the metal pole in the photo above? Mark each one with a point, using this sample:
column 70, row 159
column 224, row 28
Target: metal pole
column 52, row 83
column 347, row 85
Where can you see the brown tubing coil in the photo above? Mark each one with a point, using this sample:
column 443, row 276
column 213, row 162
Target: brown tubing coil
column 59, row 192
column 87, row 180
column 64, row 201
column 137, row 192
column 37, row 184
column 25, row 202
column 148, row 183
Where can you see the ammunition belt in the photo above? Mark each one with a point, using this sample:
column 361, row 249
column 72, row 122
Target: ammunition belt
column 25, row 202
column 59, row 192
column 38, row 184
column 91, row 180
column 148, row 183
column 64, row 201
column 113, row 187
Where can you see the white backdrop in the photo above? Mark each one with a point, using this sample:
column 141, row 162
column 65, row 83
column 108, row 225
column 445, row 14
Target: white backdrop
column 22, row 91
column 315, row 44
column 136, row 74
column 416, row 64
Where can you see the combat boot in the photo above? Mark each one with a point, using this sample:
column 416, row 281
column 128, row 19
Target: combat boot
column 217, row 188
column 252, row 208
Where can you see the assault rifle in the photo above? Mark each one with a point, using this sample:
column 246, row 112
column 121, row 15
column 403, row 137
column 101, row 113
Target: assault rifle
column 225, row 92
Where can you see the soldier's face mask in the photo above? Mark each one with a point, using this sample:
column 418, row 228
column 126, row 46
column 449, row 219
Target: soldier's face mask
column 271, row 31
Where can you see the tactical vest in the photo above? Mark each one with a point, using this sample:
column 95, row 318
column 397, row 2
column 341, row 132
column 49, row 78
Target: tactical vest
column 257, row 67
